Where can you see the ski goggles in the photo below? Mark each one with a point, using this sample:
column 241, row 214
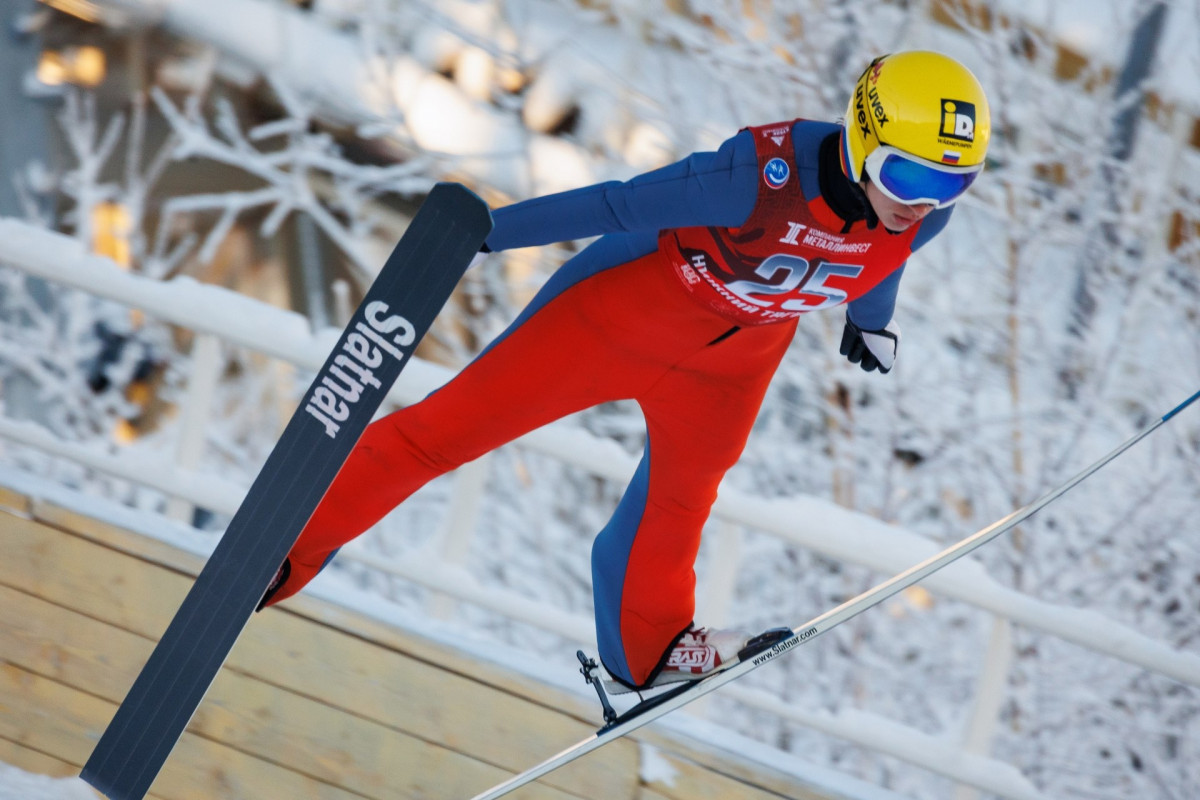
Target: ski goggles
column 914, row 181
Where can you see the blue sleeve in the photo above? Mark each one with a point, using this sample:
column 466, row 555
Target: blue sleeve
column 874, row 310
column 931, row 226
column 707, row 188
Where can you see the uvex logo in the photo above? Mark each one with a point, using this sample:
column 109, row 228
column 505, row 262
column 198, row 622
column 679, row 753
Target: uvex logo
column 343, row 383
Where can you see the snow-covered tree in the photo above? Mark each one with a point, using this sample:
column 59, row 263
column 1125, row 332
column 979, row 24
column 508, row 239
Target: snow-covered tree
column 1000, row 391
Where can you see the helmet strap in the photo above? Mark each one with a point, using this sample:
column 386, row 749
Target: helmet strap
column 868, row 209
column 843, row 196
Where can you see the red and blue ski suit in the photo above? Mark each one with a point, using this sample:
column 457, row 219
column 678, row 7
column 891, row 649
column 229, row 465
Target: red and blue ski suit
column 686, row 304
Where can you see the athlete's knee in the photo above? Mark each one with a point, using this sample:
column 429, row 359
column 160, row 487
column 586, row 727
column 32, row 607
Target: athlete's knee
column 401, row 437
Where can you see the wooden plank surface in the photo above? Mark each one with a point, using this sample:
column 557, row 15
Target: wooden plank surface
column 340, row 708
column 65, row 721
column 116, row 538
column 14, row 501
column 330, row 615
column 34, row 761
column 315, row 701
column 254, row 717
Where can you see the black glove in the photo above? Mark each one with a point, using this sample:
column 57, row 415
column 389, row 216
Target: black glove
column 872, row 350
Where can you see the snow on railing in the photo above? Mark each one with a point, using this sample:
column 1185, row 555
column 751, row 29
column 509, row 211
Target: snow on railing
column 216, row 314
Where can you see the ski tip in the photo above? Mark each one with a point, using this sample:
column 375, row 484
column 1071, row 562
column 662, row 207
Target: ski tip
column 1181, row 407
column 460, row 195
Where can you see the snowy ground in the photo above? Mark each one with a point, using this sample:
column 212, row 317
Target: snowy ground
column 16, row 784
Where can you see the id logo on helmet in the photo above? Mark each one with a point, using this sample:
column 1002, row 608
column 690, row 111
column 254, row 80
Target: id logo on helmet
column 958, row 121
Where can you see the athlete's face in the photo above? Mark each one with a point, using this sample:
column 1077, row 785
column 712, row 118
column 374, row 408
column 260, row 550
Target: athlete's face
column 894, row 216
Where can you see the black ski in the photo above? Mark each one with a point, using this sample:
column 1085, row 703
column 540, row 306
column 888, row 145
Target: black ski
column 400, row 306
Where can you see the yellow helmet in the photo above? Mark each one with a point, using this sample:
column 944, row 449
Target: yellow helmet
column 921, row 103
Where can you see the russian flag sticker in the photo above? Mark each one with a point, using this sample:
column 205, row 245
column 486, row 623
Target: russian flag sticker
column 950, row 156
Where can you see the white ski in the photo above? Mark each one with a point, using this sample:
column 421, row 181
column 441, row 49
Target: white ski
column 772, row 647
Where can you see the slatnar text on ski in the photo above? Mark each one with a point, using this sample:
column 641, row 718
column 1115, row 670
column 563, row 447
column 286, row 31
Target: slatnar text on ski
column 337, row 391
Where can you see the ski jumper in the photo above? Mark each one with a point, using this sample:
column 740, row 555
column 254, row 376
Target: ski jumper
column 686, row 304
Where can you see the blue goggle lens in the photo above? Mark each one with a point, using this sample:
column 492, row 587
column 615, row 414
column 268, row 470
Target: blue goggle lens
column 911, row 181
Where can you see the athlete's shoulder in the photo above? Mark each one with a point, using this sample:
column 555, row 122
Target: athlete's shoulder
column 807, row 135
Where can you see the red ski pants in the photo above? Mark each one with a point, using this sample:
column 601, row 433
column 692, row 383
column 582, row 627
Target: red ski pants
column 629, row 331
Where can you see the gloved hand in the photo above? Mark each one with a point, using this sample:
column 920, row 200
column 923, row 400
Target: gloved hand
column 872, row 350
